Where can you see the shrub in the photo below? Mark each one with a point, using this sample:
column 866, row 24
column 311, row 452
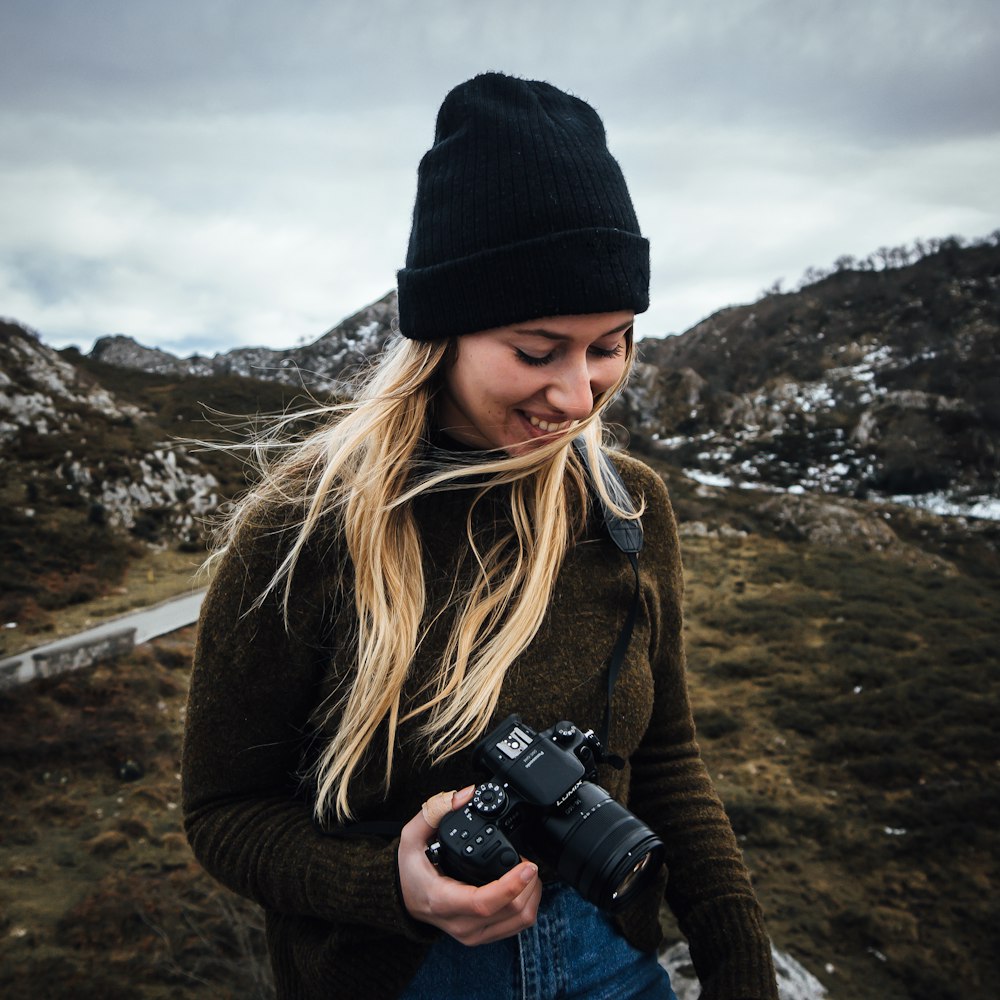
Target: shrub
column 715, row 723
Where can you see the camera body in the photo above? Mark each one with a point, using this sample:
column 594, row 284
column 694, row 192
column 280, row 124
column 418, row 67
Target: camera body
column 541, row 800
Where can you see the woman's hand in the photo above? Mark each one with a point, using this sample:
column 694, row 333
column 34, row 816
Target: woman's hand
column 470, row 914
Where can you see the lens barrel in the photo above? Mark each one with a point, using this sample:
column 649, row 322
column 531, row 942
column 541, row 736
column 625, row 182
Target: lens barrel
column 600, row 848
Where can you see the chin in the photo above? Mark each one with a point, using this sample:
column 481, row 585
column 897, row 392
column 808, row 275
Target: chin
column 532, row 444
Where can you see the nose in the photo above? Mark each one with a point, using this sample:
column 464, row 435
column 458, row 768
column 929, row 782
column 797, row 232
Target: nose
column 571, row 391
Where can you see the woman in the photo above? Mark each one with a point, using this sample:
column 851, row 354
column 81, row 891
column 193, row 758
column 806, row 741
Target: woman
column 428, row 562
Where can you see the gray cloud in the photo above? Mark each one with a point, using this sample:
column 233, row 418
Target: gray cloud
column 896, row 65
column 217, row 173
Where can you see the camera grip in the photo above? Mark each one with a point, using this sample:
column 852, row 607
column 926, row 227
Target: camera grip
column 471, row 847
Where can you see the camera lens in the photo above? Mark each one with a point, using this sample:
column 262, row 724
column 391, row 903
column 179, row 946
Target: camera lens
column 633, row 877
column 601, row 849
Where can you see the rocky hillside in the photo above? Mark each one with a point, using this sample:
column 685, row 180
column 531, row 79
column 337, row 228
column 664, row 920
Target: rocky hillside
column 92, row 467
column 50, row 409
column 323, row 364
column 83, row 475
column 862, row 387
column 881, row 384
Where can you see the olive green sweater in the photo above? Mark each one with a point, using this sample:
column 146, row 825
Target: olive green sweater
column 336, row 924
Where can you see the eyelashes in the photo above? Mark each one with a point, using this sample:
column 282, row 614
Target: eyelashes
column 530, row 359
column 614, row 352
column 538, row 362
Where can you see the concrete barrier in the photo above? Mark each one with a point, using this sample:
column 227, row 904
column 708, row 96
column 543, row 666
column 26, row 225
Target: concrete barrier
column 71, row 656
column 103, row 640
column 10, row 672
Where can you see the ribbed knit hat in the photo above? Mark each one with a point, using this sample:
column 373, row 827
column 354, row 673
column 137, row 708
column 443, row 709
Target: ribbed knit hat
column 521, row 213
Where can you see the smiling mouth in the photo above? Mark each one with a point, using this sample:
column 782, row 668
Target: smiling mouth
column 549, row 426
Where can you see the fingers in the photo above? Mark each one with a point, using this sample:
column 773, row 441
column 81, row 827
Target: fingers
column 488, row 900
column 470, row 914
column 447, row 899
column 438, row 806
column 478, row 918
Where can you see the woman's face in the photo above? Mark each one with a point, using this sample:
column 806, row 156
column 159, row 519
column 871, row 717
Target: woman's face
column 514, row 385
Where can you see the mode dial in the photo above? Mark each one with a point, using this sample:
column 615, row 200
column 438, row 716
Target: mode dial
column 489, row 798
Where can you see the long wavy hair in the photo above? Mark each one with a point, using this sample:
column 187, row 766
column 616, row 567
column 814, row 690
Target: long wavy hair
column 360, row 472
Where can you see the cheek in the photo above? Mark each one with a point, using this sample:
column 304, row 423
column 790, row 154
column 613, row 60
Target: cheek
column 465, row 380
column 484, row 382
column 502, row 381
column 609, row 375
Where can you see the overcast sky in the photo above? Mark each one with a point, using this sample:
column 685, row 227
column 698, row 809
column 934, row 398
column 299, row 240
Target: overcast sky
column 204, row 174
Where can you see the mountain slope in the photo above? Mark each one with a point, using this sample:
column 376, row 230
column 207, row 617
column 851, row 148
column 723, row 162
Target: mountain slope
column 864, row 383
column 882, row 384
column 92, row 470
column 862, row 387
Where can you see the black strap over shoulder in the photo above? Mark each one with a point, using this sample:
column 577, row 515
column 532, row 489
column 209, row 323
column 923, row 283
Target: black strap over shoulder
column 625, row 533
column 627, row 536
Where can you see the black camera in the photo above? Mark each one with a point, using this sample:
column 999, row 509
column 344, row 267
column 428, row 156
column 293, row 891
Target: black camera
column 541, row 800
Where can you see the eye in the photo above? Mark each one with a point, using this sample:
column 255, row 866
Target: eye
column 530, row 359
column 612, row 352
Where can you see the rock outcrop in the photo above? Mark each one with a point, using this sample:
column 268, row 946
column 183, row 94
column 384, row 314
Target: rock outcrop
column 68, row 445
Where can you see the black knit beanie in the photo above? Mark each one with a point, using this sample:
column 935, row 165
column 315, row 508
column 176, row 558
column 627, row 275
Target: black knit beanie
column 521, row 213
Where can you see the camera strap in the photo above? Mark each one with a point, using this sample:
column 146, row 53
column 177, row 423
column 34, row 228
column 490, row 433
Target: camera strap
column 626, row 533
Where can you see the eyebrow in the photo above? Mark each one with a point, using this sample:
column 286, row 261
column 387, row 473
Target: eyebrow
column 552, row 335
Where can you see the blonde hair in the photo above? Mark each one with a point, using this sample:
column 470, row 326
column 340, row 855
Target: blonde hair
column 359, row 473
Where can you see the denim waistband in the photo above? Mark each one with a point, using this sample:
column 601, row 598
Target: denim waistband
column 572, row 952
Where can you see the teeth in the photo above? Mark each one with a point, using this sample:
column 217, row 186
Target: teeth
column 545, row 425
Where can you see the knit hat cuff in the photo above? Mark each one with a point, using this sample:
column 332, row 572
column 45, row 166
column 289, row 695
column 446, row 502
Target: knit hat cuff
column 575, row 272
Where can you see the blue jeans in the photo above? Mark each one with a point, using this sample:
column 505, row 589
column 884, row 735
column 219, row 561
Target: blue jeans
column 573, row 952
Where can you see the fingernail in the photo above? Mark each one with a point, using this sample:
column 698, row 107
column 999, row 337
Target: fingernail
column 527, row 874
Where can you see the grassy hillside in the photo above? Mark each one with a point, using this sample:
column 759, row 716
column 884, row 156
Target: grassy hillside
column 846, row 701
column 57, row 547
column 847, row 705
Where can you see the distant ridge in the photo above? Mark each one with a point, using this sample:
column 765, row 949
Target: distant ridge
column 323, row 364
column 803, row 413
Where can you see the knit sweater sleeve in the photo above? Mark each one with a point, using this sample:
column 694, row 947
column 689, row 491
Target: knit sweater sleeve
column 708, row 886
column 253, row 687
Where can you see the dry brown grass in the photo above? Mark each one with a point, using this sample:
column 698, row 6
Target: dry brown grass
column 98, row 886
